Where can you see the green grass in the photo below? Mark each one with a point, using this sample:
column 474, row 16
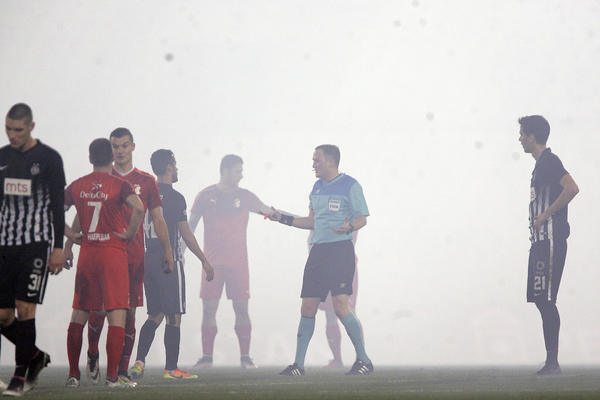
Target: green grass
column 385, row 383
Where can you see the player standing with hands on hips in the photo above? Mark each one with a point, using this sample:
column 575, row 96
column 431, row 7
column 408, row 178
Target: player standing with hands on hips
column 552, row 188
column 337, row 208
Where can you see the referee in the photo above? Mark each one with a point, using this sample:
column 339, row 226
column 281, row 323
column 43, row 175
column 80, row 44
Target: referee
column 337, row 208
column 32, row 224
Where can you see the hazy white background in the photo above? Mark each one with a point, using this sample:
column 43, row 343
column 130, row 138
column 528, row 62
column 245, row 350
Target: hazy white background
column 423, row 99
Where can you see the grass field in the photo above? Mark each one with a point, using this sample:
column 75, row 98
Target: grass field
column 385, row 383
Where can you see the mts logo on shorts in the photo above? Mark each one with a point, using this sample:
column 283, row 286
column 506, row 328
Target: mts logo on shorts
column 17, row 187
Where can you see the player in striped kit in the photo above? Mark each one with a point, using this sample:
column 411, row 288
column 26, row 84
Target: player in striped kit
column 165, row 293
column 552, row 189
column 31, row 239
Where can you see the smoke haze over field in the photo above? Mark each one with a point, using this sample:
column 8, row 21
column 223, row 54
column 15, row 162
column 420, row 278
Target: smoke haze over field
column 422, row 97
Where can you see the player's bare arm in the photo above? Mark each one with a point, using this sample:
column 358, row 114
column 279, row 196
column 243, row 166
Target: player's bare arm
column 288, row 219
column 351, row 226
column 73, row 233
column 192, row 244
column 137, row 215
column 569, row 191
column 160, row 226
column 193, row 222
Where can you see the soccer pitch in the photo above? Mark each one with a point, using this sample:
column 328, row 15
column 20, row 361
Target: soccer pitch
column 385, row 383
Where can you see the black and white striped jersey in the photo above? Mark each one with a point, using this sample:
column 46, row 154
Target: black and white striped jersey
column 31, row 196
column 545, row 189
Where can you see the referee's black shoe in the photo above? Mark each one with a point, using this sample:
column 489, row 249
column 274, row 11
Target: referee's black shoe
column 361, row 368
column 292, row 370
column 39, row 361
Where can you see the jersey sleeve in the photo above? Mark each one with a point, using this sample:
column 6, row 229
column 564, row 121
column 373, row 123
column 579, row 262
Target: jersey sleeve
column 69, row 197
column 198, row 206
column 552, row 171
column 180, row 213
column 254, row 203
column 357, row 201
column 57, row 199
column 153, row 200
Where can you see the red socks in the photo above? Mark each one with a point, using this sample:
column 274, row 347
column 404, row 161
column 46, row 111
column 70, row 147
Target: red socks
column 95, row 324
column 128, row 346
column 114, row 349
column 208, row 339
column 74, row 339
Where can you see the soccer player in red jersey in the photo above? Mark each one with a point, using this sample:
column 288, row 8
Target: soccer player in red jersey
column 225, row 208
column 146, row 187
column 101, row 282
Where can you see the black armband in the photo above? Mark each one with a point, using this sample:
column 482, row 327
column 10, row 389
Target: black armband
column 286, row 219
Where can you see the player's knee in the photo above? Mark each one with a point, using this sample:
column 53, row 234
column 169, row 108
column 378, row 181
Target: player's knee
column 341, row 310
column 25, row 310
column 174, row 319
column 209, row 308
column 131, row 313
column 156, row 318
column 7, row 316
column 308, row 310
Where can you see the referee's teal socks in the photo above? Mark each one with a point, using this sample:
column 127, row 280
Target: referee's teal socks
column 305, row 332
column 355, row 332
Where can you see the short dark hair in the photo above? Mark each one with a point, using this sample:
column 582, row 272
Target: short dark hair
column 331, row 151
column 229, row 161
column 160, row 159
column 20, row 111
column 537, row 126
column 100, row 152
column 121, row 132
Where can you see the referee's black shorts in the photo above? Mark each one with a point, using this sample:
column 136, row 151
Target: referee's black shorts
column 546, row 264
column 330, row 267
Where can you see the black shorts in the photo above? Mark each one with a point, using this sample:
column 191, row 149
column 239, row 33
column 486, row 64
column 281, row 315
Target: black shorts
column 23, row 273
column 330, row 267
column 165, row 293
column 546, row 264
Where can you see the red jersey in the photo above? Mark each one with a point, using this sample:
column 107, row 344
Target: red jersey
column 146, row 187
column 100, row 202
column 225, row 222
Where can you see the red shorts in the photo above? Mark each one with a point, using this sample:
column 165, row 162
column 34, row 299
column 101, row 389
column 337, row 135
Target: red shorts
column 101, row 281
column 235, row 279
column 136, row 284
